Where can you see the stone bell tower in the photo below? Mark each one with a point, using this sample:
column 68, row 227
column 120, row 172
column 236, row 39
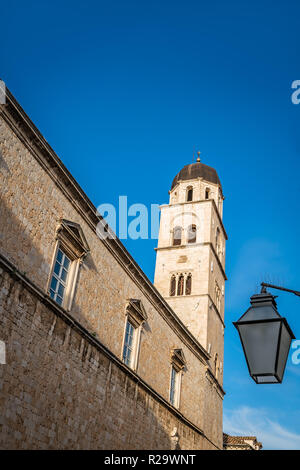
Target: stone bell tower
column 190, row 256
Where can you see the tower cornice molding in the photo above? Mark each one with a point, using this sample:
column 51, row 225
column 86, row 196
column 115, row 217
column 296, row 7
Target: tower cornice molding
column 194, row 245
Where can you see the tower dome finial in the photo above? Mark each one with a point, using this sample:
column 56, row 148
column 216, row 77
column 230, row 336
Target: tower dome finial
column 198, row 158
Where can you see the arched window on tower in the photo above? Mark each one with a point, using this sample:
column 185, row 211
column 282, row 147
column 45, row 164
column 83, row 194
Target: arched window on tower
column 192, row 234
column 189, row 193
column 188, row 285
column 207, row 191
column 180, row 285
column 177, row 236
column 173, row 286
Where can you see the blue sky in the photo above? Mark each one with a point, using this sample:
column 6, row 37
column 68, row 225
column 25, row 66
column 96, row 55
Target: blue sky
column 125, row 92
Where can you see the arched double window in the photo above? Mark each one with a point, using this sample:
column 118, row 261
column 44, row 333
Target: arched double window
column 189, row 193
column 177, row 236
column 192, row 234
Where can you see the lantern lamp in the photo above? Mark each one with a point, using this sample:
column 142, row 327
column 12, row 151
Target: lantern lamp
column 266, row 339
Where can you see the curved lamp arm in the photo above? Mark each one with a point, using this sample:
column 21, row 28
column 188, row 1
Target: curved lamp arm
column 264, row 285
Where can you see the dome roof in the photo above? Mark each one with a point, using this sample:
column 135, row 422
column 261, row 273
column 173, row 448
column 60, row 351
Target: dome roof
column 197, row 170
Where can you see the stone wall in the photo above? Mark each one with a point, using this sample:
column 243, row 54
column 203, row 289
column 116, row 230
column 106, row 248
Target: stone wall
column 61, row 389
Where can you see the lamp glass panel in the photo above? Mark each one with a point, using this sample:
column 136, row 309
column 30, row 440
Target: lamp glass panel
column 263, row 379
column 260, row 342
column 284, row 347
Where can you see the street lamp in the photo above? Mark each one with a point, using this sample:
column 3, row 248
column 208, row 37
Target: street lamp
column 265, row 336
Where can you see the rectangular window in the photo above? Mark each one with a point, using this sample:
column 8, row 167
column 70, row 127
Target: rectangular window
column 129, row 344
column 59, row 278
column 174, row 387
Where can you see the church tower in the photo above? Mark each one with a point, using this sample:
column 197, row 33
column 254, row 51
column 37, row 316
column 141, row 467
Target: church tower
column 190, row 256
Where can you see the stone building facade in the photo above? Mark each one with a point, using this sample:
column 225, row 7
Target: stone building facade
column 97, row 357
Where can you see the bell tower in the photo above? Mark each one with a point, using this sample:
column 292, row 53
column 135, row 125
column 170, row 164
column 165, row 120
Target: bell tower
column 190, row 256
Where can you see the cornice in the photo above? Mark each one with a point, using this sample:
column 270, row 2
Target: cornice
column 30, row 136
column 199, row 178
column 192, row 245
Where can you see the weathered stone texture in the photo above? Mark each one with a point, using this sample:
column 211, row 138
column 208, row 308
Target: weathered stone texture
column 59, row 391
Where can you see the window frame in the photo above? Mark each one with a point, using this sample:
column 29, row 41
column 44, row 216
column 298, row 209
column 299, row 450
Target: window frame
column 188, row 284
column 173, row 284
column 58, row 276
column 180, row 286
column 178, row 364
column 135, row 314
column 176, row 277
column 71, row 241
column 70, row 283
column 189, row 191
column 175, row 400
column 192, row 229
column 177, row 241
column 133, row 359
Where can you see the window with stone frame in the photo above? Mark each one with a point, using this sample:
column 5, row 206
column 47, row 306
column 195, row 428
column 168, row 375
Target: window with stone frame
column 135, row 317
column 188, row 285
column 60, row 275
column 129, row 343
column 173, row 285
column 189, row 193
column 180, row 285
column 174, row 385
column 177, row 236
column 192, row 234
column 70, row 251
column 177, row 366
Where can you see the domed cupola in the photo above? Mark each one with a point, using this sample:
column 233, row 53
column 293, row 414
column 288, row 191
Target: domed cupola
column 197, row 170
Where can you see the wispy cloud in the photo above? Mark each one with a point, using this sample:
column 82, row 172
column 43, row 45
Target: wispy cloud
column 259, row 422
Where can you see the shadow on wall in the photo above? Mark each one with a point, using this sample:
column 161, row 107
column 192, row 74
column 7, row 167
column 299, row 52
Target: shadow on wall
column 60, row 391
